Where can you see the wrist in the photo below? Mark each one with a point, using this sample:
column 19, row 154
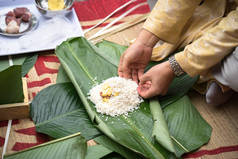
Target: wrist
column 147, row 38
column 175, row 67
column 169, row 69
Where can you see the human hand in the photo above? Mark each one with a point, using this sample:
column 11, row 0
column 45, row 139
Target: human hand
column 137, row 56
column 156, row 81
column 134, row 60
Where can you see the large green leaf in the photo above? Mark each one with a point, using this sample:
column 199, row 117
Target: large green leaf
column 179, row 87
column 182, row 118
column 62, row 76
column 57, row 111
column 85, row 67
column 97, row 152
column 160, row 129
column 70, row 147
column 113, row 156
column 16, row 60
column 11, row 77
column 112, row 145
column 111, row 51
column 193, row 138
column 187, row 128
column 28, row 63
column 11, row 85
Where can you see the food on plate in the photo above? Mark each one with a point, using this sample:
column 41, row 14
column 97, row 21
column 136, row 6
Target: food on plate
column 23, row 13
column 26, row 17
column 14, row 19
column 56, row 4
column 115, row 96
column 8, row 19
column 12, row 27
column 10, row 14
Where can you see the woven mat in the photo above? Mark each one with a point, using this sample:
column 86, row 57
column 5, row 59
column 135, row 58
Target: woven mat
column 224, row 140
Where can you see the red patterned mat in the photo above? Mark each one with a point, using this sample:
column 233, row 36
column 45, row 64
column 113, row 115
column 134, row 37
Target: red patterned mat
column 44, row 73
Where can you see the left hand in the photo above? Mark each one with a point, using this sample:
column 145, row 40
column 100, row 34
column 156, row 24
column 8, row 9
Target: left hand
column 156, row 81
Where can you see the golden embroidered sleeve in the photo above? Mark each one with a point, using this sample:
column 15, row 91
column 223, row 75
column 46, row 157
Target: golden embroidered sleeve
column 168, row 18
column 211, row 48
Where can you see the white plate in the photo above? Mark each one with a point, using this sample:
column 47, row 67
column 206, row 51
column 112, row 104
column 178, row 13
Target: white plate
column 12, row 45
column 24, row 27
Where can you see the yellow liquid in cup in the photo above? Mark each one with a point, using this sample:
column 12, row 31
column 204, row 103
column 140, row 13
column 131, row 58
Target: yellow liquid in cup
column 56, row 4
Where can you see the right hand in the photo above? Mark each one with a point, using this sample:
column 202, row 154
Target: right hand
column 156, row 80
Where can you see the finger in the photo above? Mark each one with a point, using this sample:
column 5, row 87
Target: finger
column 144, row 79
column 120, row 73
column 120, row 70
column 147, row 84
column 134, row 75
column 142, row 88
column 148, row 93
column 127, row 72
column 140, row 73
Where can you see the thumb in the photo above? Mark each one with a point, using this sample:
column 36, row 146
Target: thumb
column 146, row 88
column 147, row 93
column 144, row 78
column 120, row 70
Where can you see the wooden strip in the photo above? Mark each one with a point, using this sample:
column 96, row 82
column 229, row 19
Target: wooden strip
column 125, row 19
column 45, row 144
column 107, row 17
column 120, row 27
column 116, row 20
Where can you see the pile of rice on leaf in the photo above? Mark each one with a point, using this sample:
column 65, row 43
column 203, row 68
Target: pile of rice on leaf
column 115, row 96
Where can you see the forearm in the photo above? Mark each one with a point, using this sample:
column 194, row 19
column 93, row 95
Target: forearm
column 211, row 48
column 168, row 18
column 147, row 38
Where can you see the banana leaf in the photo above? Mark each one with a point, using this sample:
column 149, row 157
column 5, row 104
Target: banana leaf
column 62, row 76
column 56, row 109
column 187, row 128
column 115, row 147
column 113, row 156
column 11, row 85
column 84, row 64
column 181, row 110
column 133, row 131
column 11, row 77
column 70, row 147
column 16, row 60
column 97, row 152
column 112, row 52
column 10, row 80
column 160, row 128
column 28, row 63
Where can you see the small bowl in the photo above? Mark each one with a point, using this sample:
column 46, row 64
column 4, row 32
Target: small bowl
column 42, row 6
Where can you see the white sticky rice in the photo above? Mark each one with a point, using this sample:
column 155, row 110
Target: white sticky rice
column 124, row 98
